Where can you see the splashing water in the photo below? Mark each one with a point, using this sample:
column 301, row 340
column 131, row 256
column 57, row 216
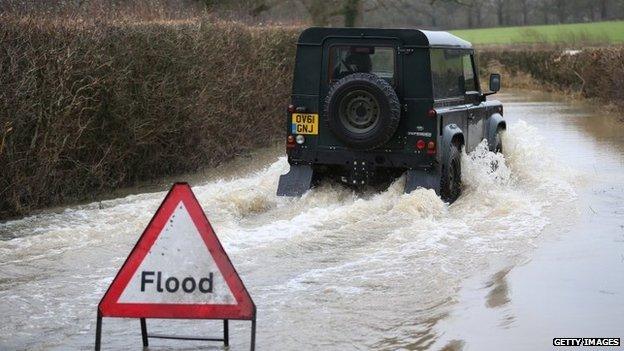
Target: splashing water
column 331, row 270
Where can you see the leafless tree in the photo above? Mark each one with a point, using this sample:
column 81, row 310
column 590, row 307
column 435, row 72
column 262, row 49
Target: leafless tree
column 445, row 14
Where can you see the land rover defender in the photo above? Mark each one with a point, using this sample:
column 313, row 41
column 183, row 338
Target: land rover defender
column 369, row 105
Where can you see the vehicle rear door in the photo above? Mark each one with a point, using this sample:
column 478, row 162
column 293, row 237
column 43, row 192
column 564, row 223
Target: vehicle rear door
column 385, row 59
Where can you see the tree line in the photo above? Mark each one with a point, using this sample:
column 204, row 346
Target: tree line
column 446, row 14
column 434, row 14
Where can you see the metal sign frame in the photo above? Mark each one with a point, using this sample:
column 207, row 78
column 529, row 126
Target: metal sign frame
column 244, row 309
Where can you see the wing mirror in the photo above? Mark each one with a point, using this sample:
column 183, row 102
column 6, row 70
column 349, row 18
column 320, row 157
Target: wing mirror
column 495, row 82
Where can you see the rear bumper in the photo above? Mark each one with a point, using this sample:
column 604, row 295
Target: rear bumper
column 371, row 159
column 359, row 168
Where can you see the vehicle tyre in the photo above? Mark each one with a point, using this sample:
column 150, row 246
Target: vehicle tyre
column 362, row 110
column 450, row 183
column 498, row 141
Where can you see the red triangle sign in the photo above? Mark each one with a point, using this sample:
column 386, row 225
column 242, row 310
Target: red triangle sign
column 178, row 269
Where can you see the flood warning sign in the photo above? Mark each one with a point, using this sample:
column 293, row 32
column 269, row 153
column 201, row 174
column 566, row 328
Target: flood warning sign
column 178, row 269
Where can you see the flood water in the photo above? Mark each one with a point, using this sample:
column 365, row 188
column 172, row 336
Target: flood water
column 531, row 251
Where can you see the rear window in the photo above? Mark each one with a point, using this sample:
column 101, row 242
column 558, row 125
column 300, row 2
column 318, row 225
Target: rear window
column 345, row 60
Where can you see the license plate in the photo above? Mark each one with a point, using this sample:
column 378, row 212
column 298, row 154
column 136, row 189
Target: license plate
column 305, row 123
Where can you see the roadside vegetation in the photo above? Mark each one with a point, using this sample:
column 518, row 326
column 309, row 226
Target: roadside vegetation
column 88, row 108
column 596, row 74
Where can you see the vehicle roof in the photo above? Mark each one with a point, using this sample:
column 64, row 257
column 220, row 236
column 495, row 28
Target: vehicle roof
column 409, row 37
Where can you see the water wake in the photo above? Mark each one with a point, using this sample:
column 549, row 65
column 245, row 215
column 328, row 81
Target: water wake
column 318, row 264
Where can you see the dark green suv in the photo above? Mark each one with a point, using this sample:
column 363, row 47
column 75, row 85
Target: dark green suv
column 369, row 105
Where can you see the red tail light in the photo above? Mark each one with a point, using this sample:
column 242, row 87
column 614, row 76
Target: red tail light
column 292, row 108
column 432, row 113
column 431, row 148
column 420, row 144
column 290, row 142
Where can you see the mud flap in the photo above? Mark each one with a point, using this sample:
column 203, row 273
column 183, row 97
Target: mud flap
column 296, row 182
column 416, row 178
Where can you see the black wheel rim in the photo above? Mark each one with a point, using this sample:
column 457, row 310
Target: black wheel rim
column 359, row 111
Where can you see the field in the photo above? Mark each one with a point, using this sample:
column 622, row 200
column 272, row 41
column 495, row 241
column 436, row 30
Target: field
column 596, row 33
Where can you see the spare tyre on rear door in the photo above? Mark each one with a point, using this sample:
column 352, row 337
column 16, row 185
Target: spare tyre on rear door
column 362, row 110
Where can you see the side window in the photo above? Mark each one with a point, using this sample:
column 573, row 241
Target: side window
column 345, row 60
column 447, row 71
column 469, row 76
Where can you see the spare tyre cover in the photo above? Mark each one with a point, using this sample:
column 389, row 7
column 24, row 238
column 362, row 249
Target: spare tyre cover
column 362, row 110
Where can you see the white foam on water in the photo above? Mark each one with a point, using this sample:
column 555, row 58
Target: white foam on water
column 339, row 267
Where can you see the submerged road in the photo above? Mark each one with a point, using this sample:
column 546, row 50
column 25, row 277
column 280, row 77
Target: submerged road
column 531, row 251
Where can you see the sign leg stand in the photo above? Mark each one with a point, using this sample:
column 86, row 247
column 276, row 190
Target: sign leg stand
column 98, row 331
column 253, row 334
column 226, row 333
column 144, row 332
